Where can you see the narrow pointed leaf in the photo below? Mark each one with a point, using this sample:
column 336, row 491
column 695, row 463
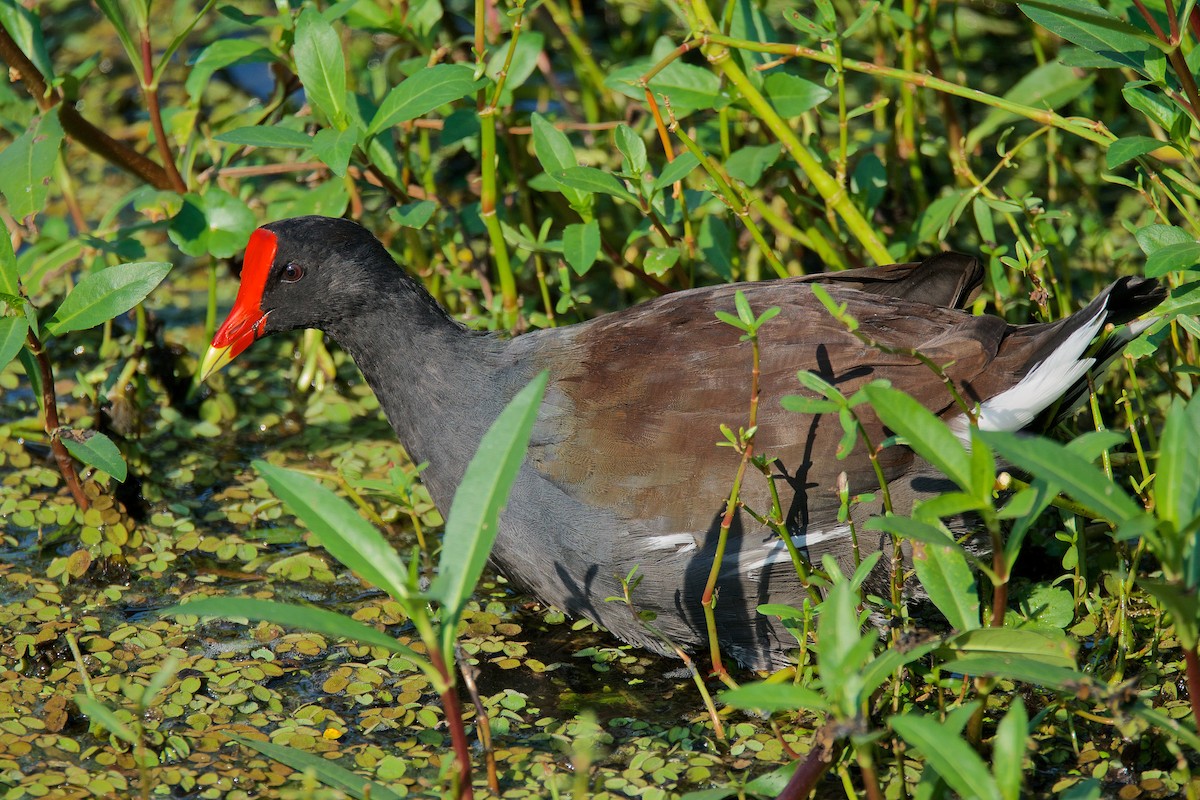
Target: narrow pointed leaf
column 676, row 170
column 328, row 772
column 26, row 165
column 321, row 65
column 106, row 717
column 1063, row 467
column 338, row 527
column 12, row 338
column 931, row 438
column 1008, row 750
column 771, row 697
column 307, row 618
column 1177, row 487
column 581, row 245
column 423, row 92
column 949, row 582
column 592, row 180
column 948, row 753
column 106, row 294
column 97, row 450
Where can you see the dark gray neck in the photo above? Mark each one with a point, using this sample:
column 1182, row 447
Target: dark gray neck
column 439, row 384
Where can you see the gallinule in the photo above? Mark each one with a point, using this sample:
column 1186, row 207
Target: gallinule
column 623, row 470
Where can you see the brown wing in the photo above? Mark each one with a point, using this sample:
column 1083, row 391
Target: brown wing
column 648, row 389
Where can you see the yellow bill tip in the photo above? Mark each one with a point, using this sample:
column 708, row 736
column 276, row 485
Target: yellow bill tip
column 214, row 360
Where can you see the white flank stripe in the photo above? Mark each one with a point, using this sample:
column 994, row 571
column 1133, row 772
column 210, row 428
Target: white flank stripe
column 775, row 550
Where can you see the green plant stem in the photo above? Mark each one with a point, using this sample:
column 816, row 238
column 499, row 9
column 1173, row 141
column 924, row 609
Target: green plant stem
column 487, row 211
column 739, row 208
column 52, row 425
column 583, row 54
column 836, row 198
column 708, row 599
column 454, row 721
column 1091, row 130
column 482, row 724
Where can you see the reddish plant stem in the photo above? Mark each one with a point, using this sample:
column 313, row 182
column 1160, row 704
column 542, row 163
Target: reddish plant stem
column 150, row 91
column 483, row 725
column 805, row 778
column 454, row 720
column 78, row 128
column 50, row 418
column 1193, row 678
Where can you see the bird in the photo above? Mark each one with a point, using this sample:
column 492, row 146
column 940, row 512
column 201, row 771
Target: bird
column 623, row 470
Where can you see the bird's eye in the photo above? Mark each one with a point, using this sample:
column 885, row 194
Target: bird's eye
column 292, row 272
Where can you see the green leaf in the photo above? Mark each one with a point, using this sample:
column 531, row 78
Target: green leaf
column 96, row 450
column 687, row 87
column 474, row 518
column 1092, row 28
column 716, row 245
column 890, row 660
column 10, row 276
column 1129, row 148
column 266, row 136
column 581, row 245
column 1053, row 462
column 792, row 95
column 947, row 579
column 1172, row 258
column 1177, row 485
column 524, row 62
column 26, row 165
column 1152, row 238
column 423, row 92
column 1008, row 750
column 215, row 223
column 327, row 772
column 104, row 715
column 220, row 54
column 1182, row 605
column 659, row 260
column 555, row 154
column 749, row 163
column 333, row 147
column 948, row 753
column 632, row 148
column 807, row 405
column 1041, row 646
column 290, row 615
column 676, row 170
column 413, row 215
column 33, row 374
column 927, row 435
column 25, row 27
column 106, row 294
column 338, row 527
column 1049, row 86
column 12, row 338
column 112, row 10
column 321, row 66
column 772, row 697
column 1017, row 668
column 592, row 180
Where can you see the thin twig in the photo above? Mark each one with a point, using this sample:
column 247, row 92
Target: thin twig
column 50, row 408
